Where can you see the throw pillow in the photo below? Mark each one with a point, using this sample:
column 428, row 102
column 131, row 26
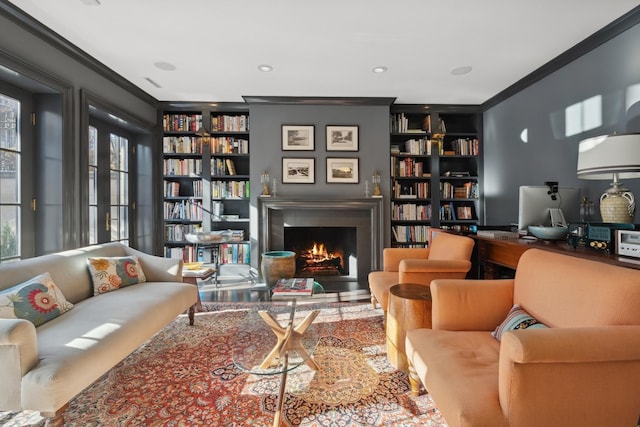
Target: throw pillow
column 516, row 319
column 37, row 300
column 111, row 273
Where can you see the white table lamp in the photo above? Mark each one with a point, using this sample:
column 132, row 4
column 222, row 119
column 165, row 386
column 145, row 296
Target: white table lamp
column 612, row 157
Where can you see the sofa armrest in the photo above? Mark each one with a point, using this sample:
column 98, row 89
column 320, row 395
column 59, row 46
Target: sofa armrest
column 391, row 257
column 470, row 305
column 18, row 355
column 159, row 269
column 567, row 372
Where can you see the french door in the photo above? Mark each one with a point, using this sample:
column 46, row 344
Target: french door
column 110, row 206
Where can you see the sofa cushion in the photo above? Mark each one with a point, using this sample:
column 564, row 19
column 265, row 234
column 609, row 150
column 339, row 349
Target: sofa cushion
column 37, row 300
column 111, row 273
column 517, row 318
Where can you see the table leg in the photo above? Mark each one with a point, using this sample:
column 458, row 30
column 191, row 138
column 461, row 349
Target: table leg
column 281, row 395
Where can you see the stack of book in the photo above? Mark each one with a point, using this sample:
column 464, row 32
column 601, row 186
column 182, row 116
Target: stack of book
column 293, row 288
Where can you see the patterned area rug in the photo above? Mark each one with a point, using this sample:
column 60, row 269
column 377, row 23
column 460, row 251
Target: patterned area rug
column 184, row 376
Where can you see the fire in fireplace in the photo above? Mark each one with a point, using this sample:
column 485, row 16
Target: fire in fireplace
column 322, row 251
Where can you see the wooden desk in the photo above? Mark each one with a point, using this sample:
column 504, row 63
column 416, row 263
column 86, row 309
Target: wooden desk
column 494, row 253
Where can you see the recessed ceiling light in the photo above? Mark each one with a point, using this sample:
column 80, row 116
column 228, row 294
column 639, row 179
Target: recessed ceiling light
column 379, row 69
column 265, row 68
column 165, row 66
column 459, row 71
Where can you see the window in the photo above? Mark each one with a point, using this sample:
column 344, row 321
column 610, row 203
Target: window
column 10, row 179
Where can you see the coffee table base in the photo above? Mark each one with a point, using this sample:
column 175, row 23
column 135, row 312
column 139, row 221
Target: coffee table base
column 289, row 339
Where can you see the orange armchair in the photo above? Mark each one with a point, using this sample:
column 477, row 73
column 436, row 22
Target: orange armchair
column 447, row 257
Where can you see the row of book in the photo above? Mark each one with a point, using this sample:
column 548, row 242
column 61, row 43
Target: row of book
column 417, row 147
column 185, row 253
column 415, row 190
column 181, row 122
column 195, row 145
column 229, row 145
column 192, row 167
column 182, row 145
column 460, row 147
column 177, row 232
column 468, row 190
column 400, row 123
column 175, row 189
column 234, row 253
column 221, row 166
column 451, row 212
column 230, row 189
column 228, row 123
column 411, row 233
column 184, row 209
column 410, row 212
column 408, row 167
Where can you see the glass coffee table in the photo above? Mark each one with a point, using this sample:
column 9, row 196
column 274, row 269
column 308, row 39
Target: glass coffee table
column 280, row 335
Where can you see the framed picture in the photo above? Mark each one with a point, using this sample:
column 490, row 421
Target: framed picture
column 297, row 170
column 342, row 170
column 297, row 138
column 342, row 138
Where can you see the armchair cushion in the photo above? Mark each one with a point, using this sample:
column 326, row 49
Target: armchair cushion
column 516, row 319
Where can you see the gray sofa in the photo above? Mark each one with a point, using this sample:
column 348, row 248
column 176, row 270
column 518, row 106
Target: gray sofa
column 44, row 367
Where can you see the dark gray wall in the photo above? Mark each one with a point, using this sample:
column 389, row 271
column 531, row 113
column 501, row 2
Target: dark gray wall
column 611, row 70
column 266, row 122
column 25, row 50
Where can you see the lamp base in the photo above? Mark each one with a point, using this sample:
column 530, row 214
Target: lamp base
column 617, row 205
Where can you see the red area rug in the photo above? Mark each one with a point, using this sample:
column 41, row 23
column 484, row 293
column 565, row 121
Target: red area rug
column 184, row 376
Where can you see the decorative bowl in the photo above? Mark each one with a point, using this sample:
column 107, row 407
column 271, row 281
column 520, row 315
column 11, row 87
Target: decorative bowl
column 549, row 233
column 205, row 237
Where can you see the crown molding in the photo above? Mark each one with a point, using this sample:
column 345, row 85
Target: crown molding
column 47, row 35
column 319, row 100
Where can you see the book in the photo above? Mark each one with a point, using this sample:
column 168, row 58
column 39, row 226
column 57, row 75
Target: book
column 231, row 167
column 294, row 287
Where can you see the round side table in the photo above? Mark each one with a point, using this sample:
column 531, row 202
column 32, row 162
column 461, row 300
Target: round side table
column 409, row 308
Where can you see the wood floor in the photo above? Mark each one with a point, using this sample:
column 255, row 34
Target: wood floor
column 239, row 284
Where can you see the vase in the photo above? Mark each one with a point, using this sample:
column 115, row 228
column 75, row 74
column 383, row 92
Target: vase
column 277, row 265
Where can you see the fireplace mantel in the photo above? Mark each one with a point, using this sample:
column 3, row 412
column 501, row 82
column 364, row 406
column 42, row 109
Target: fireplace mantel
column 364, row 214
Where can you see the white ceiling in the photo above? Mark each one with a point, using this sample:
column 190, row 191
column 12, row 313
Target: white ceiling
column 326, row 48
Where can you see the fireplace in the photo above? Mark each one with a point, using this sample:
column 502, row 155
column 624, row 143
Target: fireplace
column 349, row 229
column 322, row 251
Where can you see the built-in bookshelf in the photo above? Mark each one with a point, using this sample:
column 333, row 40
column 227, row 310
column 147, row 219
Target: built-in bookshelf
column 434, row 171
column 205, row 170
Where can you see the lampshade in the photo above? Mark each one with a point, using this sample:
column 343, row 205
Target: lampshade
column 602, row 156
column 612, row 157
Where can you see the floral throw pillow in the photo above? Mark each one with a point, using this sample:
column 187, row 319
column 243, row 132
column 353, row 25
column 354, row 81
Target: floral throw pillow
column 517, row 318
column 111, row 273
column 37, row 300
